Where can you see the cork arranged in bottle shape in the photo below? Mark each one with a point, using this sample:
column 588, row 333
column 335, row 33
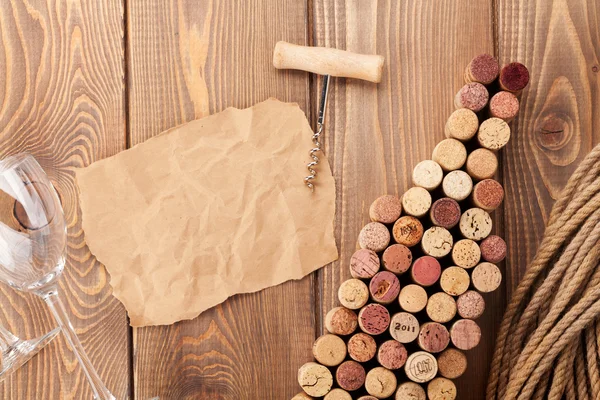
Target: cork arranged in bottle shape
column 410, row 301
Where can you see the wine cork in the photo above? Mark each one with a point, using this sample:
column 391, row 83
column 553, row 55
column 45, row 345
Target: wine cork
column 364, row 264
column 488, row 195
column 493, row 133
column 455, row 281
column 462, row 124
column 374, row 236
column 385, row 209
column 421, row 367
column 350, row 375
column 457, row 185
column 445, row 212
column 441, row 307
column 452, row 363
column 338, row 394
column 381, row 382
column 433, row 337
column 384, row 287
column 493, row 249
column 504, row 105
column 470, row 305
column 466, row 253
column 392, row 355
column 465, row 334
column 426, row 271
column 514, row 77
column 404, row 327
column 353, row 294
column 486, row 277
column 416, row 201
column 302, row 396
column 341, row 321
column 473, row 96
column 475, row 224
column 441, row 389
column 483, row 69
column 412, row 298
column 374, row 319
column 367, row 398
column 428, row 174
column 408, row 231
column 437, row 242
column 482, row 164
column 397, row 259
column 362, row 347
column 450, row 154
column 329, row 350
column 410, row 391
column 315, row 379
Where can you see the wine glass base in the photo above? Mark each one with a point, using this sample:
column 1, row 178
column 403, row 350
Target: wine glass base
column 22, row 351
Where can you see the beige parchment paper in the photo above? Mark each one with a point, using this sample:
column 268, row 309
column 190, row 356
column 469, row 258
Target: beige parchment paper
column 209, row 209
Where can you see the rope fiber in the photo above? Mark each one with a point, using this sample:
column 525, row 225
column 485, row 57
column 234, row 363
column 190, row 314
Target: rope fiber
column 548, row 345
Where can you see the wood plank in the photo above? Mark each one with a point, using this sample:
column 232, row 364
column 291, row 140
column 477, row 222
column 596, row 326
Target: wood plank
column 187, row 59
column 559, row 121
column 62, row 96
column 376, row 134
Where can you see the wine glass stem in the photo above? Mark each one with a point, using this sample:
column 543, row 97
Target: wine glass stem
column 62, row 318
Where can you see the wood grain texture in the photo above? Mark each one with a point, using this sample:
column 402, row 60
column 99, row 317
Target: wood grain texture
column 376, row 134
column 62, row 83
column 559, row 41
column 62, row 100
column 187, row 59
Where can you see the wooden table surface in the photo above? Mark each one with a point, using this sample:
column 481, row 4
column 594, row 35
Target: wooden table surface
column 83, row 80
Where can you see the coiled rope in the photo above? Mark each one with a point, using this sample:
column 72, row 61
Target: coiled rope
column 548, row 345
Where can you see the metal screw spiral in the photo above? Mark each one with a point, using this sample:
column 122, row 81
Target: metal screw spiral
column 315, row 159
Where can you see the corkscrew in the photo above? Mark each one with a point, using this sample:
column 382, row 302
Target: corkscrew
column 317, row 136
column 327, row 62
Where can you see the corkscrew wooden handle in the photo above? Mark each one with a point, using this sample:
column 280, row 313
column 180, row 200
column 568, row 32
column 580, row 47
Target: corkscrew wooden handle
column 326, row 61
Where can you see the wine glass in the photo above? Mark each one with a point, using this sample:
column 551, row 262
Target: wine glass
column 16, row 352
column 32, row 246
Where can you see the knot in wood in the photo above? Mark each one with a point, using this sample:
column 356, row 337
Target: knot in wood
column 554, row 130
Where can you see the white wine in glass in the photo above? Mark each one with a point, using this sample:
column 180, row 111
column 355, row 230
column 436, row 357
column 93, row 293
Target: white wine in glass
column 33, row 239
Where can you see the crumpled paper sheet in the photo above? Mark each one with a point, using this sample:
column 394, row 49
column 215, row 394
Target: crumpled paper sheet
column 209, row 209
